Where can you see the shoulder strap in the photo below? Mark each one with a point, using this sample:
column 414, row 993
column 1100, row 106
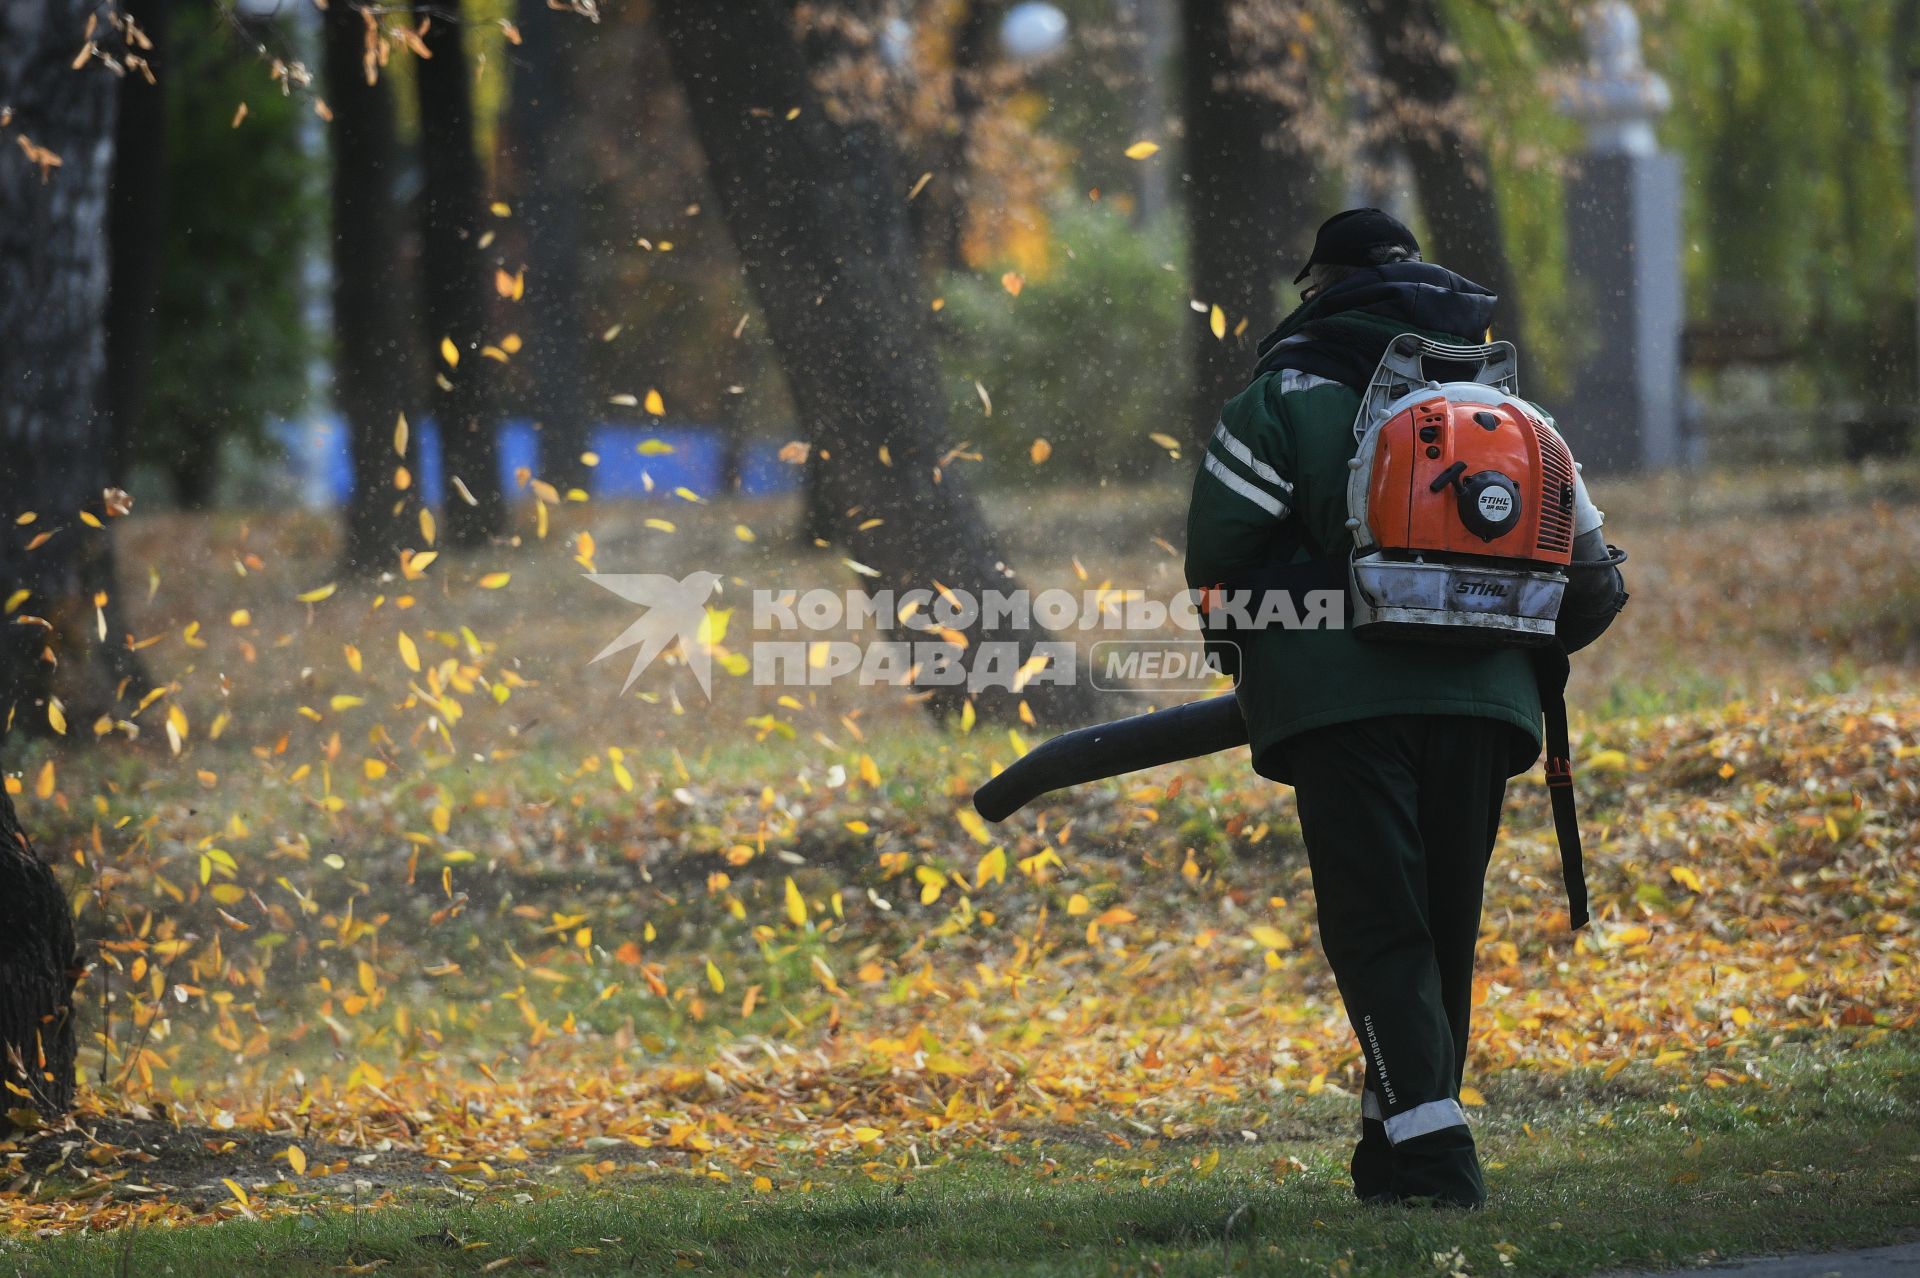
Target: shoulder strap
column 1550, row 669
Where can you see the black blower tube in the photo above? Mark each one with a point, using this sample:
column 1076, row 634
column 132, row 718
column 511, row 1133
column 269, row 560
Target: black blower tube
column 1109, row 749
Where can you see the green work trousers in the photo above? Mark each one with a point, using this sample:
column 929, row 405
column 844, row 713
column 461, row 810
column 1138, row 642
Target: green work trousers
column 1399, row 816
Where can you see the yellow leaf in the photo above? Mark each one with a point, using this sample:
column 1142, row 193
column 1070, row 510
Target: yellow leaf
column 1471, row 1096
column 1271, row 937
column 1608, row 761
column 971, row 822
column 1040, row 451
column 369, row 980
column 449, row 352
column 1217, row 322
column 56, row 716
column 714, row 978
column 992, row 868
column 1206, row 1165
column 495, row 580
column 374, row 768
column 317, row 593
column 966, row 717
column 655, row 404
column 866, row 1135
column 400, row 436
column 297, row 1159
column 1685, row 877
column 43, row 784
column 1078, row 904
column 1142, row 149
column 234, row 1188
column 353, row 658
column 409, row 654
column 796, row 904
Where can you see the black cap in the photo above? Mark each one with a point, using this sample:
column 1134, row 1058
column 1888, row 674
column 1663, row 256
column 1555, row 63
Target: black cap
column 1348, row 239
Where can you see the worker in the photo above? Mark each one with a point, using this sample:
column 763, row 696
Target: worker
column 1398, row 752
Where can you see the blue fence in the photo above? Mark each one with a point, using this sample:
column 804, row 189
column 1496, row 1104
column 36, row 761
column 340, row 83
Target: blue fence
column 320, row 465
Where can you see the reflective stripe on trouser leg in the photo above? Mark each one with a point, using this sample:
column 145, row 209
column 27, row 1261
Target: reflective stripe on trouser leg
column 1422, row 1119
column 1370, row 1106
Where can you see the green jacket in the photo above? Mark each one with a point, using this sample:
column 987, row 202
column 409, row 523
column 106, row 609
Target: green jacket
column 1271, row 489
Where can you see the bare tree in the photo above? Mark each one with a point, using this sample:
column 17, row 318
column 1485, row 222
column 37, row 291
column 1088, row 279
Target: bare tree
column 816, row 204
column 545, row 153
column 454, row 283
column 1246, row 186
column 373, row 347
column 137, row 203
column 54, row 433
column 54, row 176
column 1451, row 168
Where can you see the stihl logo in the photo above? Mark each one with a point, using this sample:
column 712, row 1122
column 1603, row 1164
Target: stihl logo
column 1480, row 588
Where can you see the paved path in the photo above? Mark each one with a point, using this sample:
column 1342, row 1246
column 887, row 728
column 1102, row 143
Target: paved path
column 1873, row 1262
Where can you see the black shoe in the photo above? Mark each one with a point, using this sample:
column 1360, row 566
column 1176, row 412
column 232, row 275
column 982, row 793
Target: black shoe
column 1439, row 1169
column 1372, row 1164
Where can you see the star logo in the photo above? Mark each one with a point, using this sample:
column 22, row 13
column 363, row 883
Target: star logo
column 675, row 610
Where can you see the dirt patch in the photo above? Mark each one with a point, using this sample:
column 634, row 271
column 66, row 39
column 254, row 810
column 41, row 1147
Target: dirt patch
column 149, row 1157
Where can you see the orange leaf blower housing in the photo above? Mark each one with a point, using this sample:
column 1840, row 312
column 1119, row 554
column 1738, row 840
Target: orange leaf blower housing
column 1472, row 479
column 1461, row 503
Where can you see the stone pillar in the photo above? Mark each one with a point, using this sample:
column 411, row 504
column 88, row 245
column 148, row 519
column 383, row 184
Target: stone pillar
column 1624, row 253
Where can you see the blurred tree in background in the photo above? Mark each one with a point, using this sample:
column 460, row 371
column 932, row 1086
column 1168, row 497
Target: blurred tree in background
column 1801, row 221
column 1089, row 357
column 230, row 345
column 1792, row 120
column 455, row 287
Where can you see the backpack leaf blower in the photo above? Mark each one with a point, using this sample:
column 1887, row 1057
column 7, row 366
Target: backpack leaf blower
column 1471, row 526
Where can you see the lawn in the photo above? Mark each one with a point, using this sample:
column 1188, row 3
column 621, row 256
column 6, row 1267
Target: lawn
column 407, row 926
column 1819, row 1150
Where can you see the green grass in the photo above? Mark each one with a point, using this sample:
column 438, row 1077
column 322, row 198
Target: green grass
column 1586, row 1175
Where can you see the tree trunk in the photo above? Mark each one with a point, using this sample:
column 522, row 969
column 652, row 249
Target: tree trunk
column 373, row 346
column 941, row 210
column 1245, row 196
column 454, row 281
column 55, row 442
column 54, row 437
column 547, row 204
column 138, row 202
column 38, row 967
column 816, row 210
column 1150, row 23
column 1451, row 170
